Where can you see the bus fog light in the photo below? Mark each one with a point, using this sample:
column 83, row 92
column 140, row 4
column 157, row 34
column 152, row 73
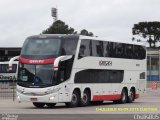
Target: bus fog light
column 18, row 98
column 51, row 98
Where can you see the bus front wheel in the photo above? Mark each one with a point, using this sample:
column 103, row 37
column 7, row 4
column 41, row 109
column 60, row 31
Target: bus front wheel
column 38, row 105
column 75, row 100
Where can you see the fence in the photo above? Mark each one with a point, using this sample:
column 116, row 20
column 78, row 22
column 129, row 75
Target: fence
column 8, row 90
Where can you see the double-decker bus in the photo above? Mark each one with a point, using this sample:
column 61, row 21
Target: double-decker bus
column 78, row 70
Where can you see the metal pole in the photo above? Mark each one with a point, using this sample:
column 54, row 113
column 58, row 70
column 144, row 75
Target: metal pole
column 150, row 68
column 13, row 90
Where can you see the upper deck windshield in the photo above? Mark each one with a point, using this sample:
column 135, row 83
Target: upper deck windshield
column 51, row 47
column 41, row 47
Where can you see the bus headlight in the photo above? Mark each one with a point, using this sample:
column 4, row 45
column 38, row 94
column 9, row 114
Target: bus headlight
column 51, row 98
column 18, row 98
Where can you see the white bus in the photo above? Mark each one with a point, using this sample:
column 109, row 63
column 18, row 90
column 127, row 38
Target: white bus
column 7, row 75
column 78, row 70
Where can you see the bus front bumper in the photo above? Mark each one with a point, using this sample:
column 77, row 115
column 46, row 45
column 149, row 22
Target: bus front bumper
column 50, row 98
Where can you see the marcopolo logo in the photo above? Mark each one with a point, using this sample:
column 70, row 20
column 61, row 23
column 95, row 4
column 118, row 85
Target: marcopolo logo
column 105, row 63
column 36, row 61
column 7, row 77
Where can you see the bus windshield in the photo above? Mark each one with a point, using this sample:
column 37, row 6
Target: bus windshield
column 36, row 75
column 37, row 46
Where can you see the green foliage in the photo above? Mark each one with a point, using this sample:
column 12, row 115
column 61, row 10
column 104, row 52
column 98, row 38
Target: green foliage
column 86, row 33
column 149, row 31
column 59, row 27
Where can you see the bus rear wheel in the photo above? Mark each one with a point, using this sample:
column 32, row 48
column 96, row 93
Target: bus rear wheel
column 50, row 105
column 123, row 98
column 38, row 105
column 75, row 100
column 85, row 98
column 131, row 96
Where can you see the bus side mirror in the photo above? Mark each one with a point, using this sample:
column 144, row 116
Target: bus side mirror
column 59, row 59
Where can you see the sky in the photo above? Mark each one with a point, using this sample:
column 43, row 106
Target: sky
column 112, row 19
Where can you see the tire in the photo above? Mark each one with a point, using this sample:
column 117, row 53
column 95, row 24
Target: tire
column 131, row 96
column 75, row 100
column 50, row 105
column 124, row 97
column 38, row 105
column 85, row 98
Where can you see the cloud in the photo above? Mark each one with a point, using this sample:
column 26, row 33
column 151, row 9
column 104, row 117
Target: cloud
column 112, row 19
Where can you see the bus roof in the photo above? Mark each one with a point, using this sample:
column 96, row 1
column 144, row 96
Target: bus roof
column 84, row 37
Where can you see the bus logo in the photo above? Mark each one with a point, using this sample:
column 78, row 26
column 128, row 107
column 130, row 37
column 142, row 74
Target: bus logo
column 36, row 61
column 105, row 63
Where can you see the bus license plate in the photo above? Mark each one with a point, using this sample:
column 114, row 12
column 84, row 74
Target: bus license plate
column 34, row 99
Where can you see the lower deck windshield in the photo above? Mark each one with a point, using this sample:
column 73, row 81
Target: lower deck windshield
column 36, row 75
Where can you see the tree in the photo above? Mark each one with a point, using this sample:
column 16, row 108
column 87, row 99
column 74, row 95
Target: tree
column 59, row 27
column 149, row 31
column 85, row 32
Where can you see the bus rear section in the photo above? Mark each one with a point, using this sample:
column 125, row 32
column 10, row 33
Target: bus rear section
column 78, row 70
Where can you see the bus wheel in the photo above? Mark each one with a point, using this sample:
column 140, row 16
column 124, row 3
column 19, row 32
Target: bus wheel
column 50, row 105
column 123, row 97
column 75, row 100
column 131, row 96
column 38, row 105
column 85, row 98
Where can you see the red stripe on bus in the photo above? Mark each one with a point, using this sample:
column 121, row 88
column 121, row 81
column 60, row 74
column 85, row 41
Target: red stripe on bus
column 43, row 61
column 136, row 96
column 106, row 97
column 55, row 66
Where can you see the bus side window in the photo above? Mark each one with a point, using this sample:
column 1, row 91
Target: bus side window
column 97, row 48
column 69, row 47
column 84, row 49
column 106, row 52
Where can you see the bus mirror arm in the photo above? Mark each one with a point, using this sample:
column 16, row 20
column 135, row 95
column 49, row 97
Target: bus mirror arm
column 11, row 62
column 59, row 59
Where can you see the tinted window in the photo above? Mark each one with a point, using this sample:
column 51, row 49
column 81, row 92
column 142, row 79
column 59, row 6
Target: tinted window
column 99, row 76
column 119, row 50
column 85, row 48
column 106, row 49
column 97, row 48
column 128, row 51
column 139, row 52
column 5, row 69
column 69, row 47
column 41, row 47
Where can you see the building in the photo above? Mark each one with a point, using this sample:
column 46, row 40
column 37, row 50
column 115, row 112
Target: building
column 153, row 64
column 8, row 52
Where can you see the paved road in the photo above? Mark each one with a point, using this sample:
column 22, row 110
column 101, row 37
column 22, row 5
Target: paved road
column 148, row 103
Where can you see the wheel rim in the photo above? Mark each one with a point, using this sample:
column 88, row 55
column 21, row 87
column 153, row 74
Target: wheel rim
column 74, row 98
column 84, row 98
